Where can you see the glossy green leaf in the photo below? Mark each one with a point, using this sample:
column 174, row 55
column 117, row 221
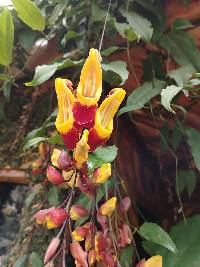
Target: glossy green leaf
column 193, row 139
column 34, row 142
column 168, row 94
column 126, row 256
column 36, row 260
column 97, row 14
column 186, row 179
column 108, row 51
column 186, row 237
column 118, row 67
column 57, row 11
column 154, row 233
column 43, row 73
column 21, row 262
column 182, row 74
column 30, row 14
column 27, row 39
column 142, row 95
column 6, row 37
column 182, row 48
column 94, row 162
column 140, row 25
column 180, row 24
column 55, row 140
column 107, row 153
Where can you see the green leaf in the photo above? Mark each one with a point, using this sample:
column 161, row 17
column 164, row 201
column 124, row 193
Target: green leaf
column 181, row 75
column 168, row 94
column 193, row 139
column 55, row 140
column 186, row 237
column 34, row 191
column 21, row 262
column 142, row 95
column 6, row 88
column 182, row 48
column 36, row 260
column 57, row 11
column 181, row 24
column 94, row 162
column 6, row 37
column 43, row 73
column 34, row 142
column 109, row 51
column 27, row 39
column 97, row 14
column 30, row 14
column 4, row 76
column 118, row 67
column 126, row 256
column 154, row 233
column 107, row 154
column 187, row 179
column 140, row 25
column 53, row 196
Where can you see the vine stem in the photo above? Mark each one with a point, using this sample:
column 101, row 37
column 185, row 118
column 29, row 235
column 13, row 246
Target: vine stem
column 104, row 26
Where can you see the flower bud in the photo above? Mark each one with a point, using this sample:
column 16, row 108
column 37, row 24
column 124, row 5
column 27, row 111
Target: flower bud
column 77, row 211
column 78, row 254
column 52, row 249
column 64, row 161
column 102, row 174
column 80, row 233
column 126, row 236
column 54, row 176
column 40, row 216
column 141, row 263
column 125, row 204
column 91, row 257
column 108, row 207
column 100, row 245
column 56, row 217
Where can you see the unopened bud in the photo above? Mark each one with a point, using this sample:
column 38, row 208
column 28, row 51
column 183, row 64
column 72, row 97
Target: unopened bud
column 78, row 254
column 51, row 250
column 80, row 233
column 77, row 211
column 92, row 257
column 64, row 161
column 54, row 176
column 125, row 204
column 108, row 207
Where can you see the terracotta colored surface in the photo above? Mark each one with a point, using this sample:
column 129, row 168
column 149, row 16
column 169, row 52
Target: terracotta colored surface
column 14, row 176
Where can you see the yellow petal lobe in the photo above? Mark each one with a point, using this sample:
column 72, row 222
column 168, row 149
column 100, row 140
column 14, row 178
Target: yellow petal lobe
column 155, row 261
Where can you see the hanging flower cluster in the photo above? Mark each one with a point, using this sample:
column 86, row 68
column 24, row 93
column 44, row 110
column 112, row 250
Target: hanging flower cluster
column 84, row 126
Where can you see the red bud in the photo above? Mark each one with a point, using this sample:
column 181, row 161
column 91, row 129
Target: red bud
column 54, row 176
column 78, row 254
column 124, row 204
column 64, row 161
column 141, row 263
column 52, row 249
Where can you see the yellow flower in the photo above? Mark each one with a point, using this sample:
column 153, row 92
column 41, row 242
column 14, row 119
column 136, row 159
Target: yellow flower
column 81, row 150
column 64, row 120
column 155, row 261
column 102, row 174
column 108, row 207
column 90, row 85
column 55, row 157
column 107, row 111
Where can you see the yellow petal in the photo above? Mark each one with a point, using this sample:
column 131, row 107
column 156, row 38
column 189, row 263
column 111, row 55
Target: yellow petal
column 55, row 156
column 155, row 261
column 77, row 237
column 69, row 177
column 81, row 150
column 90, row 85
column 103, row 173
column 74, row 216
column 106, row 112
column 50, row 224
column 109, row 206
column 64, row 120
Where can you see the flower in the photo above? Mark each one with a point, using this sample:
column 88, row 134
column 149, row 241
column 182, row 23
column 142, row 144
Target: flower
column 69, row 177
column 103, row 127
column 80, row 233
column 92, row 257
column 52, row 217
column 126, row 236
column 77, row 211
column 102, row 174
column 52, row 249
column 65, row 120
column 78, row 254
column 108, row 207
column 81, row 150
column 125, row 204
column 54, row 176
column 55, row 156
